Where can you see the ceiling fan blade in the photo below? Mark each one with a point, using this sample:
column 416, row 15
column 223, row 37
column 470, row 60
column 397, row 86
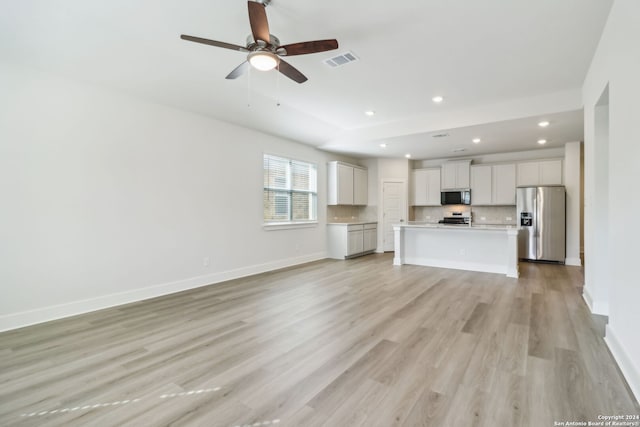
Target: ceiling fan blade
column 214, row 43
column 291, row 72
column 238, row 71
column 258, row 22
column 303, row 48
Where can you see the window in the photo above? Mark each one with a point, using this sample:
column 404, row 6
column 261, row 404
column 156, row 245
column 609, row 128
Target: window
column 290, row 190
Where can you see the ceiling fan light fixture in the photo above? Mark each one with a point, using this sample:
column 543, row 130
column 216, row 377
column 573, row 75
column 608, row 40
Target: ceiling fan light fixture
column 263, row 60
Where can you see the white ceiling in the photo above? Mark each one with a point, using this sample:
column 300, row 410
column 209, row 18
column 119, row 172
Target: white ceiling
column 502, row 65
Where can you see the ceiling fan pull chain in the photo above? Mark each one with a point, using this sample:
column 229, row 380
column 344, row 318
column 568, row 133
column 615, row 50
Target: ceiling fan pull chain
column 278, row 85
column 249, row 87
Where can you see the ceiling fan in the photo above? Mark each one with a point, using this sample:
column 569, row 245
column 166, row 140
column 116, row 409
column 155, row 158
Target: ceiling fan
column 265, row 50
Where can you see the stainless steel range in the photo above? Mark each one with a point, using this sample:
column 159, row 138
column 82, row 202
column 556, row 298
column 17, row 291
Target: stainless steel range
column 457, row 218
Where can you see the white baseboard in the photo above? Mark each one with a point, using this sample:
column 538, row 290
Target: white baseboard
column 457, row 265
column 573, row 261
column 586, row 296
column 596, row 307
column 630, row 371
column 45, row 314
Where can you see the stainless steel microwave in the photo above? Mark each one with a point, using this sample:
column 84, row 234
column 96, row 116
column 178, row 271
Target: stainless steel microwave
column 458, row 197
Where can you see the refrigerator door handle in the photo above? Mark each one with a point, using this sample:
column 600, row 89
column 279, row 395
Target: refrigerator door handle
column 536, row 224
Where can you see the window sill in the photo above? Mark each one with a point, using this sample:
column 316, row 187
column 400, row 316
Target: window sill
column 272, row 226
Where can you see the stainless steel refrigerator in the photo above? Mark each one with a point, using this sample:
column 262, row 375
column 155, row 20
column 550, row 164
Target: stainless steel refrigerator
column 541, row 220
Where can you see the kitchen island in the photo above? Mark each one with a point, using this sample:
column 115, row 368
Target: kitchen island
column 485, row 248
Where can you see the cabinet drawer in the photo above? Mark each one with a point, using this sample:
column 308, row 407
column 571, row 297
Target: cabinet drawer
column 371, row 226
column 358, row 227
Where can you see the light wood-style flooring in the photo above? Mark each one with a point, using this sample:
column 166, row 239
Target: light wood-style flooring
column 331, row 343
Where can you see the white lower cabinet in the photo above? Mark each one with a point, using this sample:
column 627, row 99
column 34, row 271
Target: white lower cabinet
column 370, row 238
column 351, row 240
column 355, row 242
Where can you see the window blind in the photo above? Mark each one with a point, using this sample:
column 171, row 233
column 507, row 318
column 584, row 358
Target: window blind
column 290, row 190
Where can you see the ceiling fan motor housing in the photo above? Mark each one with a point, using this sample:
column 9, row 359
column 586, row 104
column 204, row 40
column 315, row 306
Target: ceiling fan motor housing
column 274, row 43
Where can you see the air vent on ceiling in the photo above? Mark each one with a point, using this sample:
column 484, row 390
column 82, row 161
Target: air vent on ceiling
column 440, row 135
column 342, row 59
column 458, row 150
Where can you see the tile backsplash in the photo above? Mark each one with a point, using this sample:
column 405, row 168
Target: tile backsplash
column 431, row 214
column 494, row 215
column 350, row 213
column 426, row 213
column 480, row 214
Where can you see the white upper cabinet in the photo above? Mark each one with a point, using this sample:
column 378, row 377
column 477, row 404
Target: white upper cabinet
column 425, row 184
column 544, row 172
column 551, row 172
column 504, row 184
column 493, row 184
column 455, row 175
column 528, row 173
column 360, row 186
column 347, row 184
column 481, row 185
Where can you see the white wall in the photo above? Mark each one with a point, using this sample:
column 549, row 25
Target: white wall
column 616, row 65
column 108, row 199
column 574, row 200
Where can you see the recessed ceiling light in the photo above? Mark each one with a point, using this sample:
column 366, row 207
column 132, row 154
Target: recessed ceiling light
column 543, row 124
column 370, row 113
column 437, row 99
column 383, row 145
column 476, row 140
column 408, row 156
column 542, row 141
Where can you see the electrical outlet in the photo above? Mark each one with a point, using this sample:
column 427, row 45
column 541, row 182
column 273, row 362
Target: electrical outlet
column 509, row 218
column 463, row 252
column 483, row 218
column 206, row 261
column 427, row 217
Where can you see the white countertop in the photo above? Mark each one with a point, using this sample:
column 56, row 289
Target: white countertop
column 418, row 224
column 351, row 222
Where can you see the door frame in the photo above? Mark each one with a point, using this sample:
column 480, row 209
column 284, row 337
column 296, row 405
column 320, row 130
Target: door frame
column 405, row 207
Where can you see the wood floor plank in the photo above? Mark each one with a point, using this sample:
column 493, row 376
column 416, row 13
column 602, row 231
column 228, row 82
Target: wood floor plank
column 430, row 409
column 540, row 339
column 475, row 321
column 328, row 343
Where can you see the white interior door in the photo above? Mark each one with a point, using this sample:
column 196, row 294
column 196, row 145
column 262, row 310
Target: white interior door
column 393, row 210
